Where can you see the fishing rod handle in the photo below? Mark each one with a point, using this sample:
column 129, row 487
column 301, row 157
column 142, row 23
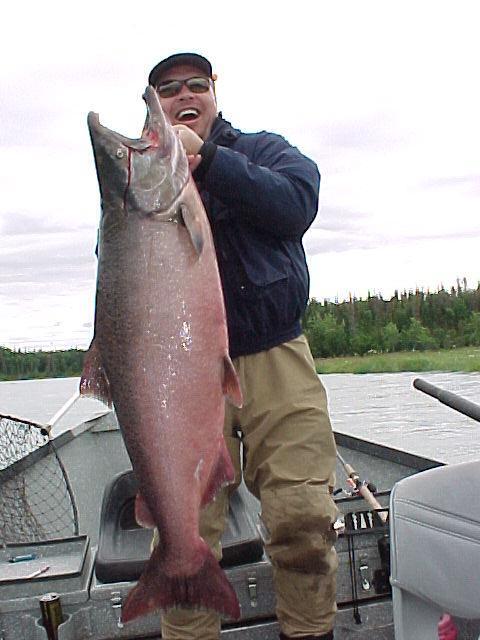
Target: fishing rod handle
column 350, row 471
column 368, row 496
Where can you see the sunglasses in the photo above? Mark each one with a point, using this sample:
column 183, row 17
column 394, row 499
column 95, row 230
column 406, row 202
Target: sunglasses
column 171, row 88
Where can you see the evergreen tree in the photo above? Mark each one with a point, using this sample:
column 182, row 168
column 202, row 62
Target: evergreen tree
column 391, row 337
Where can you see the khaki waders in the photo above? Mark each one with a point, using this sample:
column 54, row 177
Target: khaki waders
column 288, row 464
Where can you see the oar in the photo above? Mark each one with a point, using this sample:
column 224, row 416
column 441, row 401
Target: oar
column 448, row 398
column 363, row 489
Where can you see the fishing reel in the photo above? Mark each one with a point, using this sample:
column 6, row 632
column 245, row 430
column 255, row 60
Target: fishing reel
column 354, row 486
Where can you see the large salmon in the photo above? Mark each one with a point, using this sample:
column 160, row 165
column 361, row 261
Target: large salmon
column 160, row 353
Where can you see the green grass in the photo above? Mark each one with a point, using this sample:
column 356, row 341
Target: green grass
column 465, row 359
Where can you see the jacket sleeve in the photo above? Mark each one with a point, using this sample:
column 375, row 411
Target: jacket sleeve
column 276, row 190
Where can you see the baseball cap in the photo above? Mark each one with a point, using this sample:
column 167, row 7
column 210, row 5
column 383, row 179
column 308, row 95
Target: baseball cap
column 193, row 59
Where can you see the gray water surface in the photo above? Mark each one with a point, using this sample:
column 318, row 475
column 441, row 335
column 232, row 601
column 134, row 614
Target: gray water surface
column 384, row 408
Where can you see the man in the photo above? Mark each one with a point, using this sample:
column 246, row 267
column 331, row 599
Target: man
column 261, row 195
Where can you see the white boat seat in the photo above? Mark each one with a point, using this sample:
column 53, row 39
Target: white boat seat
column 435, row 549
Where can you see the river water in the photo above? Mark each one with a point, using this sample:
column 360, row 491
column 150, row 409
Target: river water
column 384, row 408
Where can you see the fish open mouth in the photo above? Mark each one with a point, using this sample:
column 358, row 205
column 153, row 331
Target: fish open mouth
column 99, row 132
column 187, row 115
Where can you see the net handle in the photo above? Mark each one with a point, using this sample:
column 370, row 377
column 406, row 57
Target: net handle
column 61, row 412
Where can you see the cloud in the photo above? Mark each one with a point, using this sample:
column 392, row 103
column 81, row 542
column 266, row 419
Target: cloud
column 402, row 265
column 337, row 229
column 336, row 218
column 337, row 242
column 56, row 262
column 30, row 121
column 468, row 183
column 24, row 224
column 373, row 133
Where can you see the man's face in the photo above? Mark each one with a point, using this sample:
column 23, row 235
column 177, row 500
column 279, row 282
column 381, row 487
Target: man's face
column 195, row 110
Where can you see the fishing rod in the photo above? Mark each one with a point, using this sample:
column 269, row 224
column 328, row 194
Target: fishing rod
column 381, row 576
column 452, row 400
column 362, row 487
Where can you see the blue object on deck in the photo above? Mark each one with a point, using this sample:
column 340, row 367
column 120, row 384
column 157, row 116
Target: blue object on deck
column 24, row 558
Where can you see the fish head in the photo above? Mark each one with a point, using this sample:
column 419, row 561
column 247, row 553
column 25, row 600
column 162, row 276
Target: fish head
column 143, row 176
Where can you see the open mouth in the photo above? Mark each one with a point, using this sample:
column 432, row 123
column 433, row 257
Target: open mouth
column 187, row 115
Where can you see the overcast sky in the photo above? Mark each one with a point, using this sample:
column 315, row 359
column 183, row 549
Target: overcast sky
column 382, row 95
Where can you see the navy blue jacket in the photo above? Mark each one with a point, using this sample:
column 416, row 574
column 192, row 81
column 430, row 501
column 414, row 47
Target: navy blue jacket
column 261, row 195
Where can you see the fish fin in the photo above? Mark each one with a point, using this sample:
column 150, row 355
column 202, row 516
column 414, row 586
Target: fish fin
column 143, row 514
column 208, row 588
column 222, row 474
column 94, row 382
column 231, row 383
column 194, row 227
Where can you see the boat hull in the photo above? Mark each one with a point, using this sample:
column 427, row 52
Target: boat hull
column 92, row 602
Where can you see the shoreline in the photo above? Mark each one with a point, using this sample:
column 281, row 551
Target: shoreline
column 465, row 359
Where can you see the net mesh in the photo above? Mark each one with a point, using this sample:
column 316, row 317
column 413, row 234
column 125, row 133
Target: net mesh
column 36, row 501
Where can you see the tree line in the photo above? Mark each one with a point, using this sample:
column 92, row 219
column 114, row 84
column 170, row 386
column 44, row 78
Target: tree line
column 23, row 365
column 414, row 320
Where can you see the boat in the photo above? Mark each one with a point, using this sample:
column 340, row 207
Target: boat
column 68, row 529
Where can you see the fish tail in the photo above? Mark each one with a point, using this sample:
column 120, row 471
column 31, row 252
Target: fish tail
column 206, row 589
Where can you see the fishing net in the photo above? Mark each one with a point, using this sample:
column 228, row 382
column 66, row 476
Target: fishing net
column 36, row 501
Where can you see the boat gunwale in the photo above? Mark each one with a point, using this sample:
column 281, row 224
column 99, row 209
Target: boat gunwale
column 384, row 452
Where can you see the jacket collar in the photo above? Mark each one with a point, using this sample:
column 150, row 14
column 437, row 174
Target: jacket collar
column 223, row 133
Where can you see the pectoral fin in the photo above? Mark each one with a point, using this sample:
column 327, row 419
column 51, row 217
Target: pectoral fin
column 231, row 383
column 194, row 227
column 143, row 515
column 94, row 382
